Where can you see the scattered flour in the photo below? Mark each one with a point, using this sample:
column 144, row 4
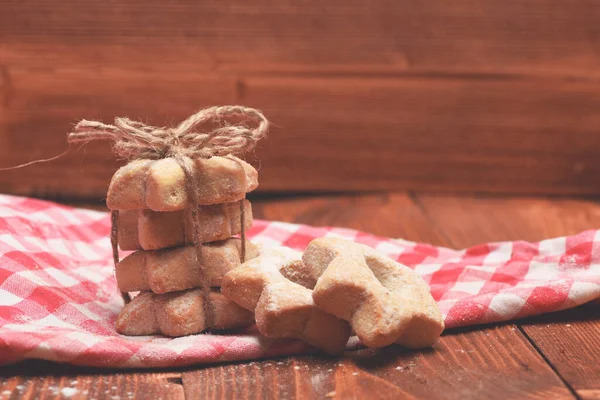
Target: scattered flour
column 68, row 392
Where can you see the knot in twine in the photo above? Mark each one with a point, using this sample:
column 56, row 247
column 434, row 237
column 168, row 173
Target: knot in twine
column 136, row 140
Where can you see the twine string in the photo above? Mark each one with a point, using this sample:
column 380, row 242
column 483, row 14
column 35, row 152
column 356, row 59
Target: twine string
column 134, row 140
column 191, row 187
column 243, row 229
column 114, row 240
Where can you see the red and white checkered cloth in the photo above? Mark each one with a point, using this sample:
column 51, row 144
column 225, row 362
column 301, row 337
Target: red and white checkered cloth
column 59, row 300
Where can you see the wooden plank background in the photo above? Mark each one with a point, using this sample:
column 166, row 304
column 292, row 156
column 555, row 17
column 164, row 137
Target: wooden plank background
column 397, row 95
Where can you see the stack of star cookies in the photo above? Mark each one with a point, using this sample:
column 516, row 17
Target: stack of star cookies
column 152, row 198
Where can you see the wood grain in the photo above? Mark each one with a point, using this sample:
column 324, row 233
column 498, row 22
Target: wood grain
column 490, row 362
column 533, row 37
column 494, row 363
column 471, row 220
column 391, row 215
column 45, row 380
column 462, row 96
column 332, row 134
column 444, row 134
column 569, row 340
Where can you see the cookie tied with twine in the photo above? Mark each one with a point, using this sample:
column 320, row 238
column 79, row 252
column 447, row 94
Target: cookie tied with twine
column 133, row 140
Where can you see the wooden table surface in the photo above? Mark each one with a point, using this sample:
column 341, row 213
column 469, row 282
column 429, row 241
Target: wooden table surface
column 549, row 357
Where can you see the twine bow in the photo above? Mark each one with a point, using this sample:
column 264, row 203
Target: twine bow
column 136, row 140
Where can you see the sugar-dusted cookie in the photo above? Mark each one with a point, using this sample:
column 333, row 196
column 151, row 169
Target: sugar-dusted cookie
column 276, row 286
column 175, row 269
column 384, row 301
column 179, row 314
column 160, row 185
column 153, row 230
